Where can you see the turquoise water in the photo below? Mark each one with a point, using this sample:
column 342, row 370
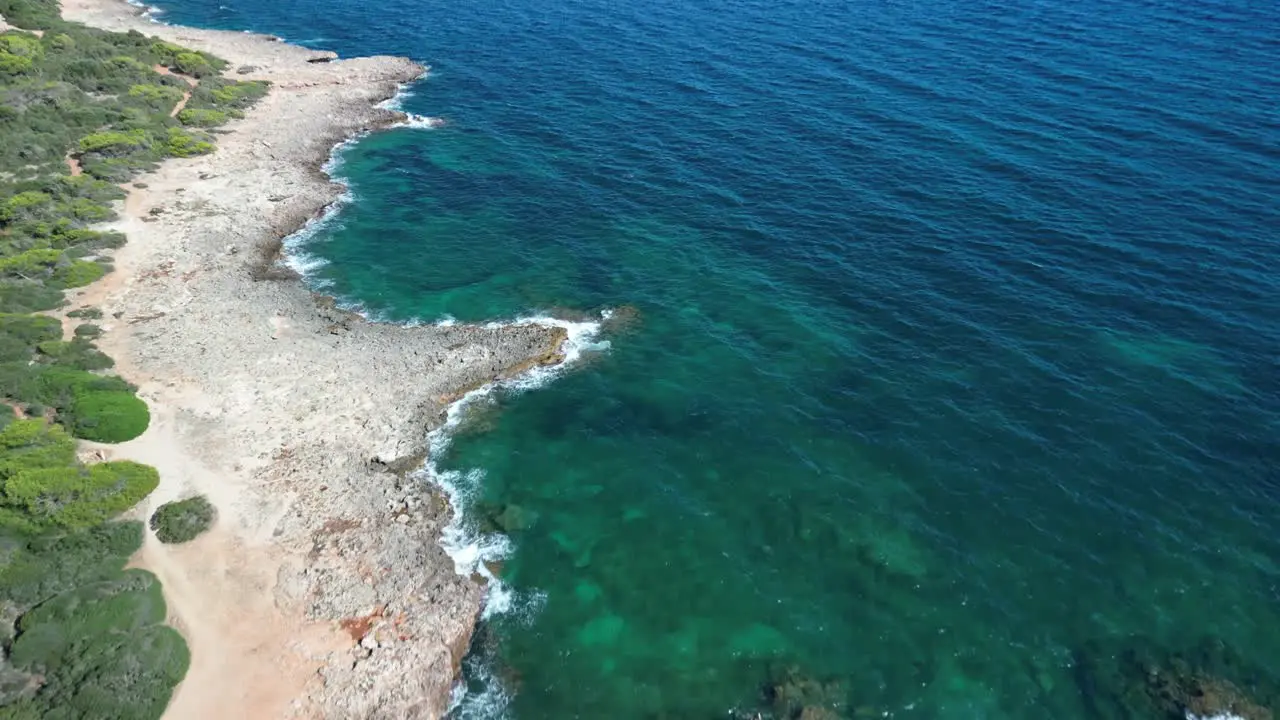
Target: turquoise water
column 948, row 373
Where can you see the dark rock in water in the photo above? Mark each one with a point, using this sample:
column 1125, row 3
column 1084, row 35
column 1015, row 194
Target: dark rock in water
column 514, row 518
column 792, row 694
column 622, row 318
column 1136, row 679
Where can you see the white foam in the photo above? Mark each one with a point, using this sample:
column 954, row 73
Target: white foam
column 296, row 257
column 148, row 11
column 420, row 122
column 403, row 92
column 492, row 702
column 1219, row 716
column 470, row 549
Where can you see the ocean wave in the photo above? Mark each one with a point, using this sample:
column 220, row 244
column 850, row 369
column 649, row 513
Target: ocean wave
column 404, row 91
column 490, row 701
column 148, row 11
column 420, row 122
column 473, row 551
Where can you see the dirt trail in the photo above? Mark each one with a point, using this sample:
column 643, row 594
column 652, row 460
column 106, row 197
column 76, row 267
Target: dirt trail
column 186, row 96
column 73, row 165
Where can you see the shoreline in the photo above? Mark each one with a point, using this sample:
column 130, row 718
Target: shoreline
column 323, row 589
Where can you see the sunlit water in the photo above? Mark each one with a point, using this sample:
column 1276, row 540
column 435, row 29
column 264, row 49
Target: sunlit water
column 950, row 348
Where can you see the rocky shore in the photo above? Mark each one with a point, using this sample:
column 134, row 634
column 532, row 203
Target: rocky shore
column 322, row 590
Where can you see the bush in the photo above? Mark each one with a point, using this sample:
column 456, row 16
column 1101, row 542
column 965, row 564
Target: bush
column 31, row 14
column 184, row 144
column 21, row 334
column 179, row 522
column 40, row 566
column 199, row 117
column 113, row 142
column 78, row 353
column 32, row 264
column 102, row 650
column 159, row 96
column 86, row 313
column 77, row 497
column 29, row 445
column 238, row 94
column 24, row 296
column 193, row 64
column 18, row 52
column 23, row 204
column 88, row 331
column 109, row 417
column 77, row 273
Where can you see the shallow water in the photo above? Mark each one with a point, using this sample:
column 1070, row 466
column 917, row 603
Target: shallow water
column 952, row 334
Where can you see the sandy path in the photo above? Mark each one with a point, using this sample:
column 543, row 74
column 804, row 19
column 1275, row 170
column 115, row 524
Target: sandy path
column 288, row 414
column 186, row 96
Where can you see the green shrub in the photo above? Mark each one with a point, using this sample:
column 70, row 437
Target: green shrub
column 24, row 296
column 237, row 94
column 183, row 144
column 34, row 263
column 77, row 273
column 19, row 52
column 55, row 385
column 31, row 445
column 87, row 331
column 116, row 169
column 40, row 566
column 86, row 313
column 113, row 142
column 109, row 417
column 77, row 497
column 181, row 521
column 23, row 204
column 128, row 65
column 78, row 353
column 32, row 329
column 193, row 64
column 199, row 117
column 161, row 96
column 31, row 14
column 21, row 334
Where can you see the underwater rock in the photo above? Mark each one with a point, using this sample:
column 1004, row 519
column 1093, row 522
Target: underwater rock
column 1135, row 678
column 792, row 694
column 514, row 518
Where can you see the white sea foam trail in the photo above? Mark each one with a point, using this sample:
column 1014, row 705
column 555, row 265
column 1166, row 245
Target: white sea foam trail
column 148, row 11
column 421, row 122
column 471, row 550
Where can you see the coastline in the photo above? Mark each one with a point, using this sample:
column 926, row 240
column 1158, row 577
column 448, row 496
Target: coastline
column 322, row 590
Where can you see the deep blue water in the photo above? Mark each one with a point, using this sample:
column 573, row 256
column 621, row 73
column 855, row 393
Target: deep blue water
column 954, row 370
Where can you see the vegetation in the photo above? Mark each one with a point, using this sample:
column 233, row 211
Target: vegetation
column 181, row 521
column 86, row 313
column 82, row 111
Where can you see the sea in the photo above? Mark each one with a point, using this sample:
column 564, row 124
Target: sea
column 927, row 353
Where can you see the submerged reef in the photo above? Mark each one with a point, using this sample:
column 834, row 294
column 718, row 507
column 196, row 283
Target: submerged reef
column 1135, row 678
